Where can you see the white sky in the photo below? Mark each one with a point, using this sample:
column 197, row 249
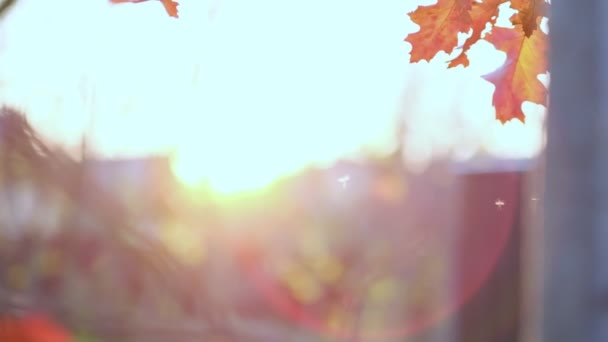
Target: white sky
column 271, row 84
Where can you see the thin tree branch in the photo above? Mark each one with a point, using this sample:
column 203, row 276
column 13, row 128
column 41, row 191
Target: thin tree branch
column 5, row 6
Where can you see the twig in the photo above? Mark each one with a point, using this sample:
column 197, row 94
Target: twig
column 5, row 6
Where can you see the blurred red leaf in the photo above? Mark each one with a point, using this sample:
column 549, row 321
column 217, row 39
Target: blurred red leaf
column 170, row 5
column 32, row 328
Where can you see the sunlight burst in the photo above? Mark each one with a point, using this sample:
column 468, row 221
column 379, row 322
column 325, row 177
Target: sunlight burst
column 224, row 178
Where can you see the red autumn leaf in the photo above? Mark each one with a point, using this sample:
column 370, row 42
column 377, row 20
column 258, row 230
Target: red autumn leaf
column 516, row 80
column 439, row 25
column 170, row 5
column 32, row 328
column 529, row 11
column 481, row 13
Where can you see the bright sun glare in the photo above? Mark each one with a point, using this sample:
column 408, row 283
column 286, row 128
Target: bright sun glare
column 223, row 178
column 248, row 95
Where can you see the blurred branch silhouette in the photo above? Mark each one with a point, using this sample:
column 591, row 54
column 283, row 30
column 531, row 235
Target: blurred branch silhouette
column 56, row 168
column 5, row 6
column 53, row 168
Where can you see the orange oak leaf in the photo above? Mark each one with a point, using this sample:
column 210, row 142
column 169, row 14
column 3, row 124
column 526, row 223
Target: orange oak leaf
column 170, row 5
column 528, row 13
column 481, row 13
column 516, row 80
column 439, row 25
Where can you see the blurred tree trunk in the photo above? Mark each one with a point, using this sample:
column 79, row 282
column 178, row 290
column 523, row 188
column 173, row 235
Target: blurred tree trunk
column 576, row 183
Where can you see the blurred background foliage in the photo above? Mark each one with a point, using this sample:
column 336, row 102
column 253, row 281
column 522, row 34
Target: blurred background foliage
column 117, row 249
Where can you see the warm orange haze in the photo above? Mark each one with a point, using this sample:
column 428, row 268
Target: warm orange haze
column 223, row 84
column 262, row 170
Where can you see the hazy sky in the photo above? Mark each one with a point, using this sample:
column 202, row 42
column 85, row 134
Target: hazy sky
column 275, row 84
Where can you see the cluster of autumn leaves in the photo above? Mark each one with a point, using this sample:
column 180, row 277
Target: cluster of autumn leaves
column 525, row 44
